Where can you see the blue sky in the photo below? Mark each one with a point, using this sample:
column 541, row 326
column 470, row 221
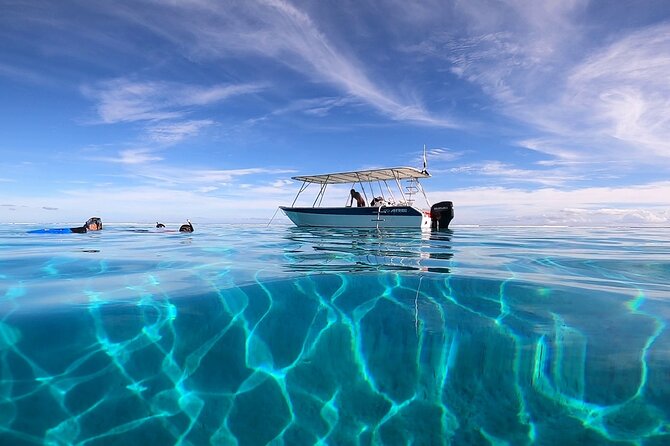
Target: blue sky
column 533, row 112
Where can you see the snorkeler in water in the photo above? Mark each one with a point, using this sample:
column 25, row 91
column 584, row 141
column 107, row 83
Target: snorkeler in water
column 91, row 225
column 187, row 227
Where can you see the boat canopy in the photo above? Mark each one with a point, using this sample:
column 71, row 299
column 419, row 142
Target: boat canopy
column 391, row 173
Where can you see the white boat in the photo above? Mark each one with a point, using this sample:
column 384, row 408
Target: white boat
column 383, row 208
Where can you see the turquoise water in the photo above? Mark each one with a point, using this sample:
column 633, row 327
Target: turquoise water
column 252, row 335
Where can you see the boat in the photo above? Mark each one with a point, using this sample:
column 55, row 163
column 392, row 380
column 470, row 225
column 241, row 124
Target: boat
column 380, row 206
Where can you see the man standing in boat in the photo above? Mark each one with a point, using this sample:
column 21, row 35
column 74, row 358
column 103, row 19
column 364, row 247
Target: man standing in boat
column 360, row 201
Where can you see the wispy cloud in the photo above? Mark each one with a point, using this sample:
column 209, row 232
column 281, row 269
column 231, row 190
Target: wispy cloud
column 554, row 147
column 173, row 132
column 130, row 157
column 282, row 33
column 444, row 154
column 275, row 32
column 622, row 92
column 314, row 107
column 511, row 50
column 437, row 158
column 585, row 100
column 162, row 106
column 282, row 183
column 200, row 177
column 507, row 173
column 124, row 100
column 24, row 75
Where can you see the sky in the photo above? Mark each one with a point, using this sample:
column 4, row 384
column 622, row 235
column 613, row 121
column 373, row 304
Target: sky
column 531, row 111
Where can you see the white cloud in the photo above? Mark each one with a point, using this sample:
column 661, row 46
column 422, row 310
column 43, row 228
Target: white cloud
column 507, row 173
column 125, row 100
column 196, row 177
column 589, row 98
column 615, row 216
column 440, row 155
column 554, row 146
column 24, row 75
column 644, row 203
column 130, row 157
column 282, row 183
column 623, row 92
column 163, row 105
column 641, row 204
column 279, row 31
column 316, row 107
column 120, row 100
column 196, row 95
column 167, row 132
column 151, row 203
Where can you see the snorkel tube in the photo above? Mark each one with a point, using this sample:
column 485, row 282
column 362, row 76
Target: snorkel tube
column 187, row 227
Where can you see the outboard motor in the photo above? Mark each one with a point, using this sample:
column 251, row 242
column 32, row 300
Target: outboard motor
column 441, row 215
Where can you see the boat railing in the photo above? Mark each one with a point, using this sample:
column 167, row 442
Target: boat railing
column 411, row 189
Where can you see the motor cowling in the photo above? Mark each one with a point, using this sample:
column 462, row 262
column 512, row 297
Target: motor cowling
column 441, row 215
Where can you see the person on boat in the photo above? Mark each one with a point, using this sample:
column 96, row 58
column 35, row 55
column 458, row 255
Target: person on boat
column 91, row 225
column 377, row 202
column 360, row 201
column 186, row 227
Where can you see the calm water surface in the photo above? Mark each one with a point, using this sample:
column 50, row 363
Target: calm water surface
column 242, row 334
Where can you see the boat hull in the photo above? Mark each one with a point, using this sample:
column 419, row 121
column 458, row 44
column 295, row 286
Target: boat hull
column 358, row 217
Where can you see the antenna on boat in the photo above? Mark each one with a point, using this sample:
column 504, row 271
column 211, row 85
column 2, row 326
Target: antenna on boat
column 425, row 161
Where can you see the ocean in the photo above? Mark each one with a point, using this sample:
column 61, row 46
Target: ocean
column 252, row 335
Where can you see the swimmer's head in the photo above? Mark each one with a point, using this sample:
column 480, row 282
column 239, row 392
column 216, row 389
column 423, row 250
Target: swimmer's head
column 187, row 227
column 93, row 224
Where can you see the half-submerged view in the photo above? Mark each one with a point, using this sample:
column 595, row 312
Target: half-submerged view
column 521, row 299
column 378, row 205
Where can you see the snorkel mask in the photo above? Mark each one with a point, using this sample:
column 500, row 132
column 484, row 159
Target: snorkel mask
column 93, row 221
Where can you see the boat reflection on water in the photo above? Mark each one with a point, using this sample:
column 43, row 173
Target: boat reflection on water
column 323, row 250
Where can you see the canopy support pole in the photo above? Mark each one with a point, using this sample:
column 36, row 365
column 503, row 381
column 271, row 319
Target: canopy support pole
column 302, row 188
column 362, row 188
column 397, row 181
column 390, row 191
column 320, row 194
column 323, row 193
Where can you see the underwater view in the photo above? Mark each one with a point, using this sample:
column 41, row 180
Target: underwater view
column 253, row 335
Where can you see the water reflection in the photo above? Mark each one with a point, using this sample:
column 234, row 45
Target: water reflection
column 342, row 250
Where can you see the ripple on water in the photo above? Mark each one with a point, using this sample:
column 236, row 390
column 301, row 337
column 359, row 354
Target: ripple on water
column 252, row 335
